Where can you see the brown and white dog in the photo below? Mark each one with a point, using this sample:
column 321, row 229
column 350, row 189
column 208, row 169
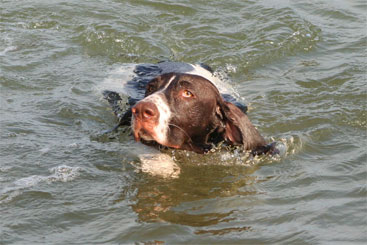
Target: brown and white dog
column 182, row 108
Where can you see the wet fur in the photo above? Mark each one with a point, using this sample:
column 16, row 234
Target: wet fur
column 200, row 125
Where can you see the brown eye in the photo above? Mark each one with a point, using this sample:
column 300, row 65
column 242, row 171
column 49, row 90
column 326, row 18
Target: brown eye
column 187, row 94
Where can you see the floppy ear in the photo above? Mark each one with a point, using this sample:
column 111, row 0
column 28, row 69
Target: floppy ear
column 238, row 130
column 156, row 83
column 152, row 86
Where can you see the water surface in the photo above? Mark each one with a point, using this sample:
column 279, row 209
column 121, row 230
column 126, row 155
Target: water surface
column 299, row 65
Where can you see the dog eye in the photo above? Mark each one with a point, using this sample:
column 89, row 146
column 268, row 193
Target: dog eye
column 187, row 94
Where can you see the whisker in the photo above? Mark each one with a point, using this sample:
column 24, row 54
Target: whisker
column 174, row 125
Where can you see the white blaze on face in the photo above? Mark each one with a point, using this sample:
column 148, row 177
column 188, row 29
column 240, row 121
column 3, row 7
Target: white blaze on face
column 157, row 98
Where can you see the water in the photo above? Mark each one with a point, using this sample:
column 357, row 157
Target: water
column 299, row 65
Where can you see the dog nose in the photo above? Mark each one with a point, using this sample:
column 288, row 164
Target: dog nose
column 146, row 111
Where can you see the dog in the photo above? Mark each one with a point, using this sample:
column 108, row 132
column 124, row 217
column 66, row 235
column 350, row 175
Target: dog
column 178, row 105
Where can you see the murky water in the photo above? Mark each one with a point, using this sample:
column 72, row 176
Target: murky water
column 299, row 65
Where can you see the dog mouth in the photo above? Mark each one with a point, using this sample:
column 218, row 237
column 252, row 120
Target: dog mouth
column 143, row 131
column 143, row 135
column 146, row 134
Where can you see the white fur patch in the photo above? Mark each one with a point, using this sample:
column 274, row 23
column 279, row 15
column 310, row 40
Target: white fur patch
column 169, row 82
column 161, row 131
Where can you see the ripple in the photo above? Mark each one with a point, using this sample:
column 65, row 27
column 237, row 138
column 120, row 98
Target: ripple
column 62, row 173
column 104, row 40
column 7, row 49
column 300, row 63
column 224, row 230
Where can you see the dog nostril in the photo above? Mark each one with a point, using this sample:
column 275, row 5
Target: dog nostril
column 148, row 113
column 134, row 111
column 145, row 111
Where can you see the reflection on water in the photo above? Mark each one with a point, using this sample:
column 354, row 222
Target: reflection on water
column 184, row 188
column 191, row 198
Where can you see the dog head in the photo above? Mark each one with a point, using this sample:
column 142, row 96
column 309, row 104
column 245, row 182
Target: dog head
column 185, row 111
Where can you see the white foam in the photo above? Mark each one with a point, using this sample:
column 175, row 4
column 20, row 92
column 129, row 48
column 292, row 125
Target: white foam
column 223, row 86
column 159, row 164
column 117, row 81
column 155, row 163
column 64, row 173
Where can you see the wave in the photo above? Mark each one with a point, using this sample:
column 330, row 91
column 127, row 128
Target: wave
column 62, row 173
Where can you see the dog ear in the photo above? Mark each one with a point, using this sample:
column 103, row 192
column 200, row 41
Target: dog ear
column 157, row 83
column 238, row 130
column 153, row 86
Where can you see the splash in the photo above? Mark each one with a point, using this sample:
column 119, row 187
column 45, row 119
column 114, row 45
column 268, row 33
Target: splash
column 154, row 162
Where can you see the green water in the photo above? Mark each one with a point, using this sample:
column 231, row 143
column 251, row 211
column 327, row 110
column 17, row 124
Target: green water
column 299, row 65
